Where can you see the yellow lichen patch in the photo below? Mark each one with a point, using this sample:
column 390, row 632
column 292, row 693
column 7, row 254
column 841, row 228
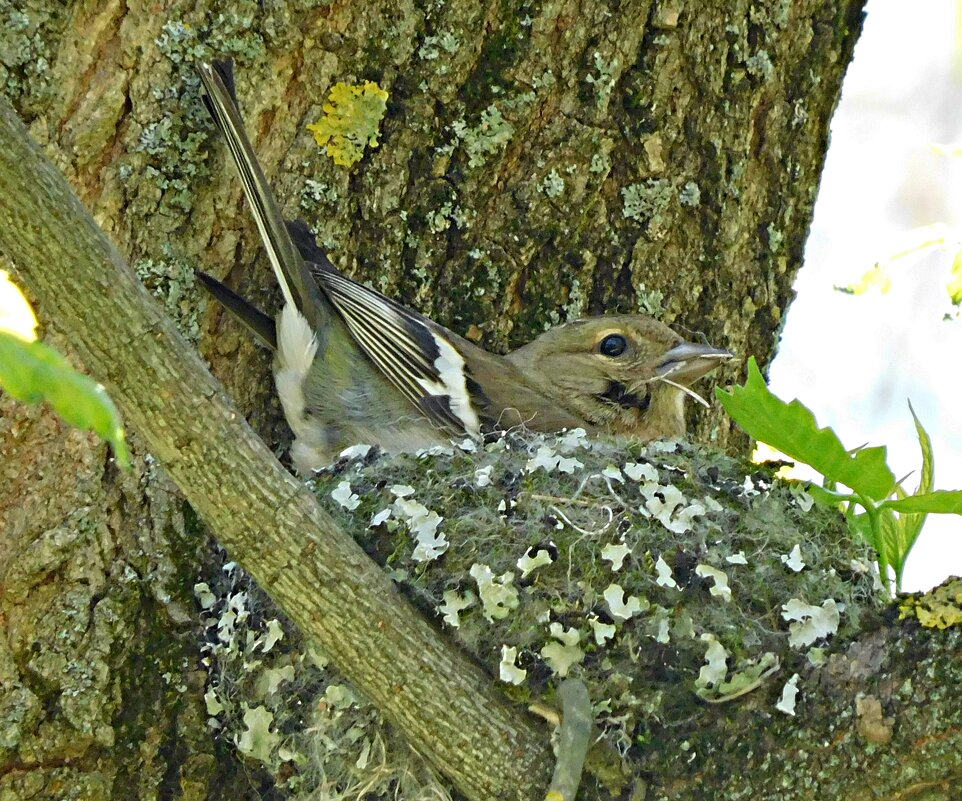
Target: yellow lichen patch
column 938, row 609
column 350, row 122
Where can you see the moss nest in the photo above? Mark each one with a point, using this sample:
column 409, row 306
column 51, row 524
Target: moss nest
column 666, row 576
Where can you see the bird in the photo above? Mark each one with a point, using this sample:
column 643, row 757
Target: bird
column 352, row 365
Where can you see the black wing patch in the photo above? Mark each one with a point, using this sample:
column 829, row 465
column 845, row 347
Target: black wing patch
column 306, row 244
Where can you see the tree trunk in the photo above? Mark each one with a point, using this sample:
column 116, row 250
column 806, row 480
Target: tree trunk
column 101, row 687
column 536, row 164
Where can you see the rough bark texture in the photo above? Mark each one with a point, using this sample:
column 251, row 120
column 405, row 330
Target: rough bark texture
column 538, row 162
column 101, row 696
column 334, row 593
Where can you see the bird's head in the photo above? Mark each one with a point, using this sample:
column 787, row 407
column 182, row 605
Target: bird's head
column 627, row 373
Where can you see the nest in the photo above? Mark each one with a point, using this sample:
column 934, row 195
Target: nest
column 666, row 576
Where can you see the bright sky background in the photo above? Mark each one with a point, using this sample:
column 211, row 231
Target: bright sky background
column 856, row 360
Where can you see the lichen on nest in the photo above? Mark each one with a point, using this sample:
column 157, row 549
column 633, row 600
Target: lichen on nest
column 663, row 575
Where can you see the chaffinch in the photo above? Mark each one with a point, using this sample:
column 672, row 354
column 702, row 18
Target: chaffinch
column 352, row 365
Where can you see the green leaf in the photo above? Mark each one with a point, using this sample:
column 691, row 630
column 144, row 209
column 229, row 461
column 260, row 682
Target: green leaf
column 876, row 278
column 32, row 372
column 928, row 459
column 791, row 429
column 938, row 502
column 878, row 529
column 911, row 524
column 862, row 524
column 891, row 550
column 918, row 240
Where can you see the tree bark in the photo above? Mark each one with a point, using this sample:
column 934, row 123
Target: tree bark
column 101, row 693
column 335, row 594
column 655, row 156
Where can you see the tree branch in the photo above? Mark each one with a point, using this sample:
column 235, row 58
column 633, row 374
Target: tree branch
column 445, row 705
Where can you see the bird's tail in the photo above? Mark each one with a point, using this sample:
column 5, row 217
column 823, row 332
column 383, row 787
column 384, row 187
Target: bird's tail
column 258, row 323
column 297, row 284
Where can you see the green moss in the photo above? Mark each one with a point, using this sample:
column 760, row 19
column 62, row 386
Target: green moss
column 663, row 513
column 489, row 136
column 176, row 129
column 502, row 49
column 553, row 185
column 601, row 162
column 760, row 66
column 318, row 197
column 648, row 203
column 432, row 46
column 602, row 79
column 776, row 238
column 650, row 301
column 690, row 195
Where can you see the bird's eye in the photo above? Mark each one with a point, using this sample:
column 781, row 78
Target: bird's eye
column 613, row 345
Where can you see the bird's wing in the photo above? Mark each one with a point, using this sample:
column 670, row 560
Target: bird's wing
column 416, row 355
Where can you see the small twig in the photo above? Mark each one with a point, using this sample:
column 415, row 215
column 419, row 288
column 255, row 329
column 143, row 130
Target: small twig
column 537, row 496
column 687, row 390
column 574, row 737
column 587, row 533
column 746, row 689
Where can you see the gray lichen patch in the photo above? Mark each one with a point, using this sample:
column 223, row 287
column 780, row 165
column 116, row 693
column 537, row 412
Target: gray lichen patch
column 664, row 576
column 97, row 644
column 27, row 35
column 274, row 699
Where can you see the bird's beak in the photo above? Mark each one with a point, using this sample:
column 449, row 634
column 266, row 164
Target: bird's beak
column 689, row 361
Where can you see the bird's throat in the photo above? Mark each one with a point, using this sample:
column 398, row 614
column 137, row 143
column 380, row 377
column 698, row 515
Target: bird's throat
column 617, row 394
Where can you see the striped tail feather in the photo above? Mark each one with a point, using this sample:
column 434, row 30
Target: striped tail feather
column 418, row 357
column 292, row 274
